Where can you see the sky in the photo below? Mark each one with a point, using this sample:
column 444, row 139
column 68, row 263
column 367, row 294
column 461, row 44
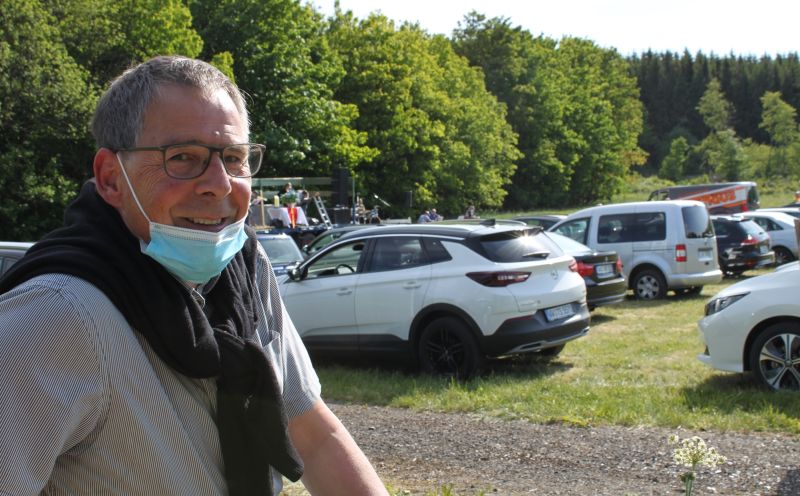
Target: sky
column 721, row 27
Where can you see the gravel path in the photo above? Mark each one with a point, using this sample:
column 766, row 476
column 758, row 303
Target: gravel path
column 424, row 451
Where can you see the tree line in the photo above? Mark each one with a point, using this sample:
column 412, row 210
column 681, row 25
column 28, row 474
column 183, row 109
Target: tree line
column 492, row 115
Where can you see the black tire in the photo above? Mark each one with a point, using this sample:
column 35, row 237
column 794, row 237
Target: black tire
column 446, row 347
column 782, row 255
column 694, row 290
column 775, row 357
column 649, row 284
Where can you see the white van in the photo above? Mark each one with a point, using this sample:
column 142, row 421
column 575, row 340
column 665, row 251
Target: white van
column 663, row 245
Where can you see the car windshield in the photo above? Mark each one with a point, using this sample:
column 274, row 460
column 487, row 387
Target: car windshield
column 281, row 250
column 569, row 245
column 519, row 246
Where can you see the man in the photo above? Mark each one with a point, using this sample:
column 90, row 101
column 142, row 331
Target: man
column 144, row 348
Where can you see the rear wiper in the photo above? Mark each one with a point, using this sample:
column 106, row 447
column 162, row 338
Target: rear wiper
column 536, row 254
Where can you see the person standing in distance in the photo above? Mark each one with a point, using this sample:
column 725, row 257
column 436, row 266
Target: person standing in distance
column 144, row 347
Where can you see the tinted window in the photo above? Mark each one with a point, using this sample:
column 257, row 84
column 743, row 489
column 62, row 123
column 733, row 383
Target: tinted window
column 518, row 246
column 750, row 227
column 697, row 222
column 436, row 250
column 643, row 226
column 397, row 253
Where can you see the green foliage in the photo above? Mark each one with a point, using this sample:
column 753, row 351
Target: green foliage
column 45, row 104
column 282, row 60
column 573, row 104
column 714, row 108
column 672, row 166
column 439, row 132
column 779, row 120
column 107, row 36
column 224, row 62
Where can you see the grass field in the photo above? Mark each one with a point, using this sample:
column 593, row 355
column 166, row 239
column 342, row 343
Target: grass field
column 637, row 366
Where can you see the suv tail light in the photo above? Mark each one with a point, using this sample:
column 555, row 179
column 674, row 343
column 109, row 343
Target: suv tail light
column 680, row 253
column 749, row 240
column 499, row 279
column 619, row 266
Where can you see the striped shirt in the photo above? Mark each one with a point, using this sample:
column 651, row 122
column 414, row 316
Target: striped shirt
column 87, row 407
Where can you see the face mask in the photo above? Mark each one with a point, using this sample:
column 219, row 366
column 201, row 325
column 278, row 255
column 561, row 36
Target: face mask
column 192, row 255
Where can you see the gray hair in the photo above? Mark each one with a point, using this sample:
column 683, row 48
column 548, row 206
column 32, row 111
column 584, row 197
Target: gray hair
column 119, row 116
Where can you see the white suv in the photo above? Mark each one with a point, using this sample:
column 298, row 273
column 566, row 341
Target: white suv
column 446, row 295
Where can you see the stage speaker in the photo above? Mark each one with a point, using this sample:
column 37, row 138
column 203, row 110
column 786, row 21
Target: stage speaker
column 340, row 184
column 341, row 215
column 408, row 199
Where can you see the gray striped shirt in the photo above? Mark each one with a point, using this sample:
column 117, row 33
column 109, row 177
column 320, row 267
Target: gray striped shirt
column 87, row 407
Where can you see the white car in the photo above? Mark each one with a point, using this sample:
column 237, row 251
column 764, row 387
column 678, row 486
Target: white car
column 781, row 229
column 444, row 295
column 754, row 326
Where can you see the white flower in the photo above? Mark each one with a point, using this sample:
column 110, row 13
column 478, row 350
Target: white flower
column 693, row 452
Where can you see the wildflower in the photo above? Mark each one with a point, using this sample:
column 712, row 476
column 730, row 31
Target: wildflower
column 692, row 452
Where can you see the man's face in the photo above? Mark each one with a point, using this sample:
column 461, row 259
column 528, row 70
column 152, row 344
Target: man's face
column 209, row 202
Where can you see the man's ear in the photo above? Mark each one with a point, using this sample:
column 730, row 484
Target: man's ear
column 107, row 177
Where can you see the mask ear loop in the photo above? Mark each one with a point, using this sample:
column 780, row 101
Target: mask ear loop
column 130, row 186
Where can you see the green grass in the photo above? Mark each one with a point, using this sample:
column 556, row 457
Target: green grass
column 636, row 367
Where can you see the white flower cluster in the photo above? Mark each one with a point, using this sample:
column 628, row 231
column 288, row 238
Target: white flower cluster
column 693, row 451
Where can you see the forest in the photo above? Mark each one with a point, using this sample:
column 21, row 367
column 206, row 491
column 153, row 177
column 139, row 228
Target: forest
column 491, row 115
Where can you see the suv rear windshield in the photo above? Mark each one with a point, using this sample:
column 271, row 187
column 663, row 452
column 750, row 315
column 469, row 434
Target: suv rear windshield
column 697, row 222
column 523, row 245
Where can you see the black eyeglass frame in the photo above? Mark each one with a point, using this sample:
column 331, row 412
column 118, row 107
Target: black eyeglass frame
column 211, row 149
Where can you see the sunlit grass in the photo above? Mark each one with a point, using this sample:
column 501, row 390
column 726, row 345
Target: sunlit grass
column 637, row 366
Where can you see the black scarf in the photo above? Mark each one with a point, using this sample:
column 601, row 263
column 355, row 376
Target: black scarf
column 95, row 245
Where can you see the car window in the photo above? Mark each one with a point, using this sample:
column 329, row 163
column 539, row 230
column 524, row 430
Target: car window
column 436, row 250
column 342, row 260
column 750, row 227
column 575, row 229
column 612, row 229
column 697, row 222
column 281, row 250
column 519, row 246
column 393, row 253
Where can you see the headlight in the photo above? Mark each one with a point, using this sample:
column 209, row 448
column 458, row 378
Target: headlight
column 718, row 304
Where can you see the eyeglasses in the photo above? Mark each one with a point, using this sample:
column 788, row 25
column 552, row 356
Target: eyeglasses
column 188, row 161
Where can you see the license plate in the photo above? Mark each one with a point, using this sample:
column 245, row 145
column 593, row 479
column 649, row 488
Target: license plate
column 558, row 312
column 762, row 249
column 705, row 254
column 604, row 270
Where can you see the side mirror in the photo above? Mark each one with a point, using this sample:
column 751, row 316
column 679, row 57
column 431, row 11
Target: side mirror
column 295, row 274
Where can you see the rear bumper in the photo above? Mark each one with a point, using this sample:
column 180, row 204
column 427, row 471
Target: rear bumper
column 606, row 292
column 697, row 279
column 535, row 333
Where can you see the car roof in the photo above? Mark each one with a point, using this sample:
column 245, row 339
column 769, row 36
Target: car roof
column 266, row 235
column 15, row 245
column 456, row 229
column 628, row 205
column 782, row 216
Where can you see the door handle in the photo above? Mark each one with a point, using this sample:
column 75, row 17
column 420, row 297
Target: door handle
column 411, row 285
column 343, row 291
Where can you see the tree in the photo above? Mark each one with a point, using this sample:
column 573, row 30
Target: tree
column 573, row 104
column 107, row 36
column 282, row 60
column 45, row 105
column 673, row 164
column 721, row 149
column 779, row 120
column 440, row 133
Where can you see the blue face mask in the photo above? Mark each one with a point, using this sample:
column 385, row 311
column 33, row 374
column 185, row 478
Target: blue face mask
column 192, row 255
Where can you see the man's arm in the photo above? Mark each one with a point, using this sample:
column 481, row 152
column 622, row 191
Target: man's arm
column 334, row 464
